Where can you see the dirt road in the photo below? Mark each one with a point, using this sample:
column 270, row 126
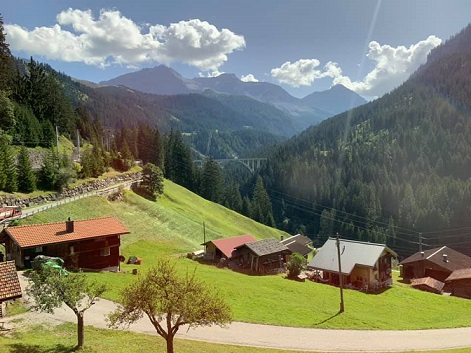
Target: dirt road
column 286, row 338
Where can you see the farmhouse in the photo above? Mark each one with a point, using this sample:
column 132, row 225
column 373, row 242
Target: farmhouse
column 226, row 247
column 437, row 263
column 263, row 256
column 9, row 284
column 364, row 265
column 90, row 244
column 298, row 244
column 459, row 283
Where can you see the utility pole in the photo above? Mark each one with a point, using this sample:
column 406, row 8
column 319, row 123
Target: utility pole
column 204, row 233
column 420, row 242
column 57, row 138
column 342, row 306
column 78, row 144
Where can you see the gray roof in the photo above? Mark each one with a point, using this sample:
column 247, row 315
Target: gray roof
column 352, row 253
column 266, row 246
column 298, row 238
column 299, row 248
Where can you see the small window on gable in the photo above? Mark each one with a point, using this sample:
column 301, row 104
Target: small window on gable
column 105, row 251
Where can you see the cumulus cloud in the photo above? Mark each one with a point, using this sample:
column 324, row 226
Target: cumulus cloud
column 115, row 39
column 392, row 66
column 248, row 78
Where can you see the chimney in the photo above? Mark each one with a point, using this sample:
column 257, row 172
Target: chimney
column 445, row 258
column 69, row 226
column 422, row 254
column 282, row 237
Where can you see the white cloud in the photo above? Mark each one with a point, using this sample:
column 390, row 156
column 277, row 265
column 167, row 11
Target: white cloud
column 300, row 73
column 392, row 67
column 115, row 39
column 248, row 78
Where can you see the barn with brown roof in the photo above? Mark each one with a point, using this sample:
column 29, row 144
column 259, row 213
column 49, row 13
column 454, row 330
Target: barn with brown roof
column 437, row 263
column 9, row 283
column 89, row 244
column 264, row 256
column 459, row 283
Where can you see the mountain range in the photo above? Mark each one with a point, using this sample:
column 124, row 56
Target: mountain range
column 312, row 109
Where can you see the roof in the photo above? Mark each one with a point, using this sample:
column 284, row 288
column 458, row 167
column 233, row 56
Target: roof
column 455, row 259
column 463, row 273
column 298, row 238
column 266, row 247
column 53, row 233
column 352, row 253
column 299, row 248
column 429, row 282
column 9, row 282
column 228, row 245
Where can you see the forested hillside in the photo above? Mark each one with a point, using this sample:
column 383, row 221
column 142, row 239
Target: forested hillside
column 388, row 170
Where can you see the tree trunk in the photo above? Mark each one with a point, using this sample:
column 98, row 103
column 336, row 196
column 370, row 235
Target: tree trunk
column 169, row 343
column 80, row 333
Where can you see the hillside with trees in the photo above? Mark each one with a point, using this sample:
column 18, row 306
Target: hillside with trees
column 395, row 170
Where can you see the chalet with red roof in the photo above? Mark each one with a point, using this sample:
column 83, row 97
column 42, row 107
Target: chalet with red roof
column 89, row 244
column 9, row 283
column 226, row 247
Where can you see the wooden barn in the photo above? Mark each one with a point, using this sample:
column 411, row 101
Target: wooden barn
column 264, row 256
column 459, row 283
column 88, row 244
column 225, row 247
column 437, row 263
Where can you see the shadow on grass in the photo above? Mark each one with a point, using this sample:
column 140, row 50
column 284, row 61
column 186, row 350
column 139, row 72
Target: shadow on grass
column 27, row 348
column 328, row 319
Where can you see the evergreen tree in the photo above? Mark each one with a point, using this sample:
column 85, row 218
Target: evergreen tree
column 7, row 115
column 8, row 176
column 7, row 68
column 26, row 176
column 211, row 181
column 157, row 153
column 152, row 180
column 261, row 205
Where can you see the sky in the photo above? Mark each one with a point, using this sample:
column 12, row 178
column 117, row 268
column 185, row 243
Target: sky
column 369, row 46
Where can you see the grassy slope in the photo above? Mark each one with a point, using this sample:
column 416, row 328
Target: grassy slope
column 173, row 225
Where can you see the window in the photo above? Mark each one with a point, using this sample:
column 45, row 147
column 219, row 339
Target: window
column 105, row 251
column 38, row 249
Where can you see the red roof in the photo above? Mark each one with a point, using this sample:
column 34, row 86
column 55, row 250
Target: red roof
column 9, row 283
column 53, row 233
column 228, row 245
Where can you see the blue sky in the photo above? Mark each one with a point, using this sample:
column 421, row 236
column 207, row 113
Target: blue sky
column 304, row 46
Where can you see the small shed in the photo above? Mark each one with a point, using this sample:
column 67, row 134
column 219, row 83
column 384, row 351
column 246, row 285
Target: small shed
column 459, row 283
column 9, row 284
column 298, row 244
column 264, row 256
column 90, row 243
column 428, row 284
column 437, row 263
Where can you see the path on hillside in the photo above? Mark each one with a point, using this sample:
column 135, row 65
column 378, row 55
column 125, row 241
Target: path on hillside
column 285, row 338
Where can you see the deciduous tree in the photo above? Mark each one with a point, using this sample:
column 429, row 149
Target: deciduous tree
column 170, row 301
column 50, row 289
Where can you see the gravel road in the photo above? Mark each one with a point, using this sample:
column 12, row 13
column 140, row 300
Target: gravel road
column 285, row 338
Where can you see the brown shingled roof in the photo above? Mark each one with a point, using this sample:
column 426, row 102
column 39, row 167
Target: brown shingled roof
column 428, row 283
column 53, row 233
column 455, row 259
column 9, row 283
column 266, row 247
column 464, row 273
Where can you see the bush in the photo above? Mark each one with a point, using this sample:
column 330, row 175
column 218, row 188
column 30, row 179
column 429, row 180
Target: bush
column 295, row 265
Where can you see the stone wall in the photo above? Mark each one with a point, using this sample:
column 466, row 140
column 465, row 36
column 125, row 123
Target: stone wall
column 91, row 186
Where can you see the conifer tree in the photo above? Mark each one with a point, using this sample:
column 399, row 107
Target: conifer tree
column 211, row 181
column 8, row 177
column 26, row 176
column 7, row 68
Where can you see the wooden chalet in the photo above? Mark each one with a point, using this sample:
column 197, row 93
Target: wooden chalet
column 9, row 284
column 437, row 263
column 264, row 256
column 364, row 265
column 459, row 283
column 88, row 244
column 226, row 247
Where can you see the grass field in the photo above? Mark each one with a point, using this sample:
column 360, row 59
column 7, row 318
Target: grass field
column 173, row 226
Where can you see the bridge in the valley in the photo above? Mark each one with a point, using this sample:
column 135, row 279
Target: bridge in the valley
column 252, row 164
